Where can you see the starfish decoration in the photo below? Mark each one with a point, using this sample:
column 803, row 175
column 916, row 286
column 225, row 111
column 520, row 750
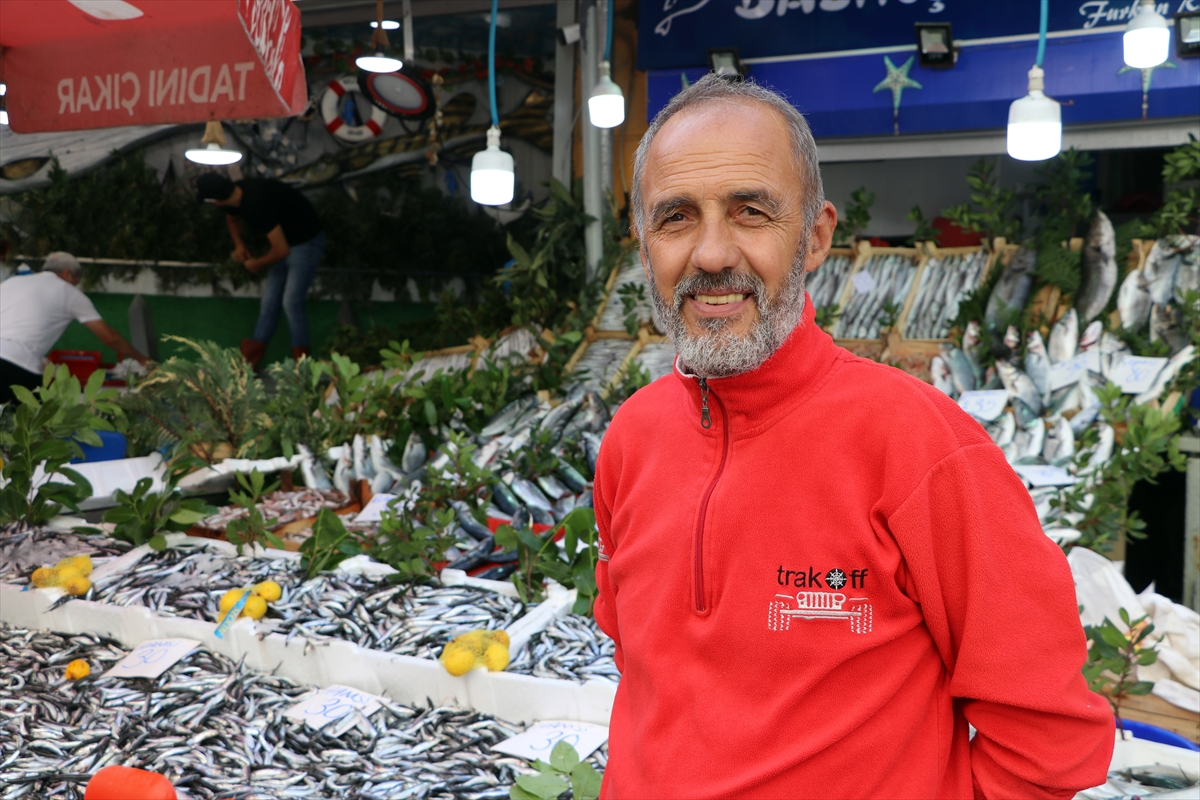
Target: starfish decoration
column 1146, row 75
column 897, row 80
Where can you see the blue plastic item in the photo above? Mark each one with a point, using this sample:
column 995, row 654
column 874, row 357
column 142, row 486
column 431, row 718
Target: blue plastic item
column 112, row 447
column 1153, row 733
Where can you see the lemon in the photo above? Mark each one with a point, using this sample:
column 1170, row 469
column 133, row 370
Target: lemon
column 255, row 607
column 473, row 641
column 77, row 669
column 66, row 573
column 496, row 657
column 268, row 590
column 501, row 637
column 81, row 563
column 77, row 585
column 229, row 600
column 44, row 576
column 458, row 660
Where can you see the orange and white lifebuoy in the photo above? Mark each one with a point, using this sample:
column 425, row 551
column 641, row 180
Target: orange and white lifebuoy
column 337, row 89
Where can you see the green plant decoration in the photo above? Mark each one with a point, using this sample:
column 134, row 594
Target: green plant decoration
column 142, row 516
column 251, row 529
column 329, row 545
column 856, row 219
column 563, row 772
column 539, row 557
column 991, row 211
column 1113, row 657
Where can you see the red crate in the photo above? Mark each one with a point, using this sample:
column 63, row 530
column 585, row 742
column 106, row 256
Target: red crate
column 80, row 363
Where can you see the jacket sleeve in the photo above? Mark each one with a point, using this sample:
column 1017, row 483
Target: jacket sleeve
column 605, row 608
column 999, row 601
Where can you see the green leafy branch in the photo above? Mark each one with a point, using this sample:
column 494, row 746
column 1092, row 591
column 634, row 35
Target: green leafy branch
column 1113, row 658
column 563, row 772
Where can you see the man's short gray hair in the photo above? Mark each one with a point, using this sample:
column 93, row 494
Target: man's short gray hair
column 62, row 263
column 713, row 88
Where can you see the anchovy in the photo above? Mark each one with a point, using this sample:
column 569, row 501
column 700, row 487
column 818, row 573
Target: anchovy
column 571, row 648
column 1098, row 275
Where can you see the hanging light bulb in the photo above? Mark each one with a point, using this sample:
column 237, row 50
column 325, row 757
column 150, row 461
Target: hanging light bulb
column 606, row 106
column 379, row 62
column 1034, row 123
column 1147, row 38
column 213, row 154
column 3, row 117
column 492, row 178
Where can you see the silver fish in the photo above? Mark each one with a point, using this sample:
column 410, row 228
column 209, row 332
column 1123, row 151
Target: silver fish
column 1003, row 429
column 505, row 417
column 939, row 370
column 415, row 455
column 1098, row 276
column 1167, row 374
column 1161, row 268
column 1165, row 325
column 961, row 371
column 1037, row 365
column 557, row 419
column 1091, row 336
column 343, row 472
column 311, row 471
column 363, row 469
column 1059, row 447
column 591, row 449
column 529, row 493
column 1012, row 338
column 1133, row 301
column 1064, row 338
column 1020, row 386
column 1012, row 290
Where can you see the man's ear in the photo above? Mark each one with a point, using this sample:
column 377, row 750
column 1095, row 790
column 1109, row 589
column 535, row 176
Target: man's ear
column 820, row 239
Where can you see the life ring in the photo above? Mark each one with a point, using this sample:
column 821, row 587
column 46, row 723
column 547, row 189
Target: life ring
column 337, row 89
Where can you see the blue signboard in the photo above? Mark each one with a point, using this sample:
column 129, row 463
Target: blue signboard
column 852, row 95
column 678, row 33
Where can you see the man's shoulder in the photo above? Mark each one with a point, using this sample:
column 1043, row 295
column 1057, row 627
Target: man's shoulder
column 647, row 405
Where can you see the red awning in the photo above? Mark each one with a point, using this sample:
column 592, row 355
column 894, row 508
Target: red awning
column 76, row 64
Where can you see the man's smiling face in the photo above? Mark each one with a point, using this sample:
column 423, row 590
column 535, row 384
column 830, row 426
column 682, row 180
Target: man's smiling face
column 724, row 241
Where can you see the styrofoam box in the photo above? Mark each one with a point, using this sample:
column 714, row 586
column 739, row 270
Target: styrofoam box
column 405, row 679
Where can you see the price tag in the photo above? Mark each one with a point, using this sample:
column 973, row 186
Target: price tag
column 538, row 741
column 1041, row 475
column 334, row 702
column 373, row 511
column 224, row 622
column 984, row 405
column 1071, row 371
column 863, row 281
column 1136, row 374
column 151, row 659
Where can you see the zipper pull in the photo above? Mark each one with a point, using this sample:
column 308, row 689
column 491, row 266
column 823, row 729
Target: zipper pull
column 705, row 418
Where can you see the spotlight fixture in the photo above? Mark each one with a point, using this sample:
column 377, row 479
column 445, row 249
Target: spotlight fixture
column 725, row 62
column 935, row 45
column 214, row 153
column 1187, row 34
column 569, row 34
column 492, row 176
column 1147, row 38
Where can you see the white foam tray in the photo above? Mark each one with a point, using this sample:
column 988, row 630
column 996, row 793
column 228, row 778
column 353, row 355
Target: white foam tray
column 405, row 679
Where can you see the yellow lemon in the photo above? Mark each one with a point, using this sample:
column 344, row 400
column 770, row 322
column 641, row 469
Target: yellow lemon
column 81, row 563
column 473, row 641
column 458, row 660
column 44, row 576
column 496, row 657
column 229, row 600
column 255, row 607
column 77, row 585
column 501, row 637
column 66, row 573
column 77, row 669
column 268, row 590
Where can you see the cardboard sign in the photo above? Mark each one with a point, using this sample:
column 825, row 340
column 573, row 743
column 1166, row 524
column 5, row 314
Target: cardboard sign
column 151, row 659
column 373, row 511
column 1041, row 475
column 863, row 281
column 1136, row 374
column 538, row 741
column 334, row 702
column 1071, row 371
column 984, row 405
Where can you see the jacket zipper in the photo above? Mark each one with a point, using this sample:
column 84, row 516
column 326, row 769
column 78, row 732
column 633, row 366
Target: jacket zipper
column 706, row 421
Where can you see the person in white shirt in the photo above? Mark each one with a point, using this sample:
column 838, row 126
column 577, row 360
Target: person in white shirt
column 35, row 310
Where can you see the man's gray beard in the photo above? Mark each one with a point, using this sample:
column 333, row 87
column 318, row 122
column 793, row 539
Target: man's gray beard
column 716, row 351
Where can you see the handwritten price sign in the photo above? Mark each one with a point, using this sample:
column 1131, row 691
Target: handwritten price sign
column 153, row 658
column 538, row 741
column 1071, row 371
column 984, row 405
column 1136, row 374
column 334, row 702
column 1042, row 475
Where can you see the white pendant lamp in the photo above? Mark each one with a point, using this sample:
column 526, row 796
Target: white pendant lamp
column 606, row 106
column 1035, row 120
column 379, row 61
column 213, row 154
column 1034, row 123
column 492, row 177
column 1147, row 38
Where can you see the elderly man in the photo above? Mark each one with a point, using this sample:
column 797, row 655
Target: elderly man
column 35, row 310
column 818, row 571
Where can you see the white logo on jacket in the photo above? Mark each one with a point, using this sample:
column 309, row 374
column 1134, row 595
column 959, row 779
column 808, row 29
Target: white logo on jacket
column 820, row 605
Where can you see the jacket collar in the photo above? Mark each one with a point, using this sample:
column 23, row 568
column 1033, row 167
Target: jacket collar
column 753, row 400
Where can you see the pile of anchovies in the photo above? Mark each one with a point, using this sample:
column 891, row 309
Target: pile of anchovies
column 188, row 581
column 571, row 647
column 21, row 552
column 216, row 730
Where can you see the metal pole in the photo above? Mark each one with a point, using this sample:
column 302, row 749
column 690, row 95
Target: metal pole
column 606, row 134
column 564, row 99
column 593, row 177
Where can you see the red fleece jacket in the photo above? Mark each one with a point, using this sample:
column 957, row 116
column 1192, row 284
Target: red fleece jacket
column 815, row 595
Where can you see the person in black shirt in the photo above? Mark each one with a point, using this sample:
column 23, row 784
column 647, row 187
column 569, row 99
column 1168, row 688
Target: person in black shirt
column 297, row 244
